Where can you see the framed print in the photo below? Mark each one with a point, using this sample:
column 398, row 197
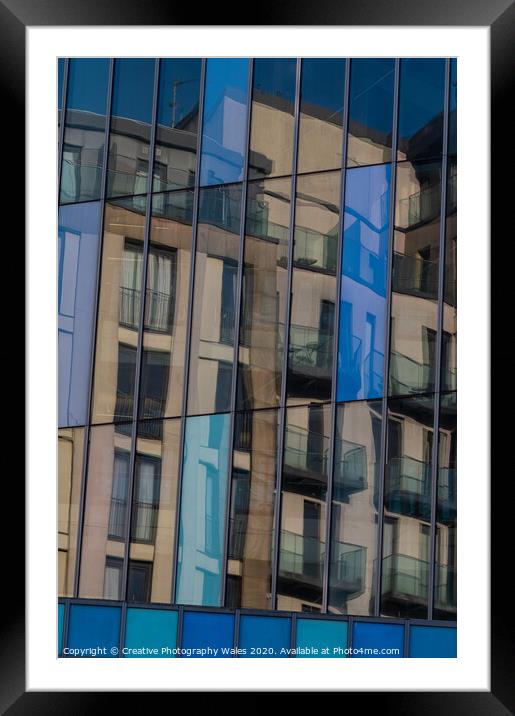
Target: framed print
column 255, row 378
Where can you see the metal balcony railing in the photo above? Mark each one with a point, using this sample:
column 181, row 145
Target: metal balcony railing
column 300, row 455
column 405, row 577
column 157, row 309
column 310, row 348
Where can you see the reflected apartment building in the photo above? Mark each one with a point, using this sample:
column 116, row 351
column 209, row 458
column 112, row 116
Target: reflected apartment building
column 274, row 342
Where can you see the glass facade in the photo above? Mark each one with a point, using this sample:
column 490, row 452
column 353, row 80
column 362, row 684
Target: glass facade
column 257, row 336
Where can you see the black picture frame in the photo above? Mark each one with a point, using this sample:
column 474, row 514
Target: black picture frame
column 499, row 15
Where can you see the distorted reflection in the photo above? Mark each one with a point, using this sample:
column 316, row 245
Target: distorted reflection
column 303, row 508
column 166, row 305
column 415, row 279
column 214, row 307
column 407, row 508
column 249, row 564
column 353, row 560
column 317, row 222
column 264, row 290
column 70, row 454
column 119, row 312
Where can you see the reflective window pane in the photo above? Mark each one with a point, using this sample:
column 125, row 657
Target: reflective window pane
column 321, row 114
column 363, row 289
column 421, row 101
column 166, row 305
column 446, row 549
column 203, row 510
column 415, row 278
column 317, row 222
column 84, row 130
column 356, row 475
column 249, row 565
column 78, row 248
column 118, row 312
column 106, row 513
column 177, row 123
column 452, row 148
column 407, row 508
column 153, row 511
column 370, row 111
column 70, row 456
column 273, row 106
column 224, row 129
column 131, row 117
column 214, row 307
column 264, row 291
column 449, row 337
column 303, row 509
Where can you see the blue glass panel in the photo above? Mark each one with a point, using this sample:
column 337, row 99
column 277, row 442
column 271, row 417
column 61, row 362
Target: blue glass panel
column 60, row 75
column 452, row 108
column 78, row 252
column 60, row 622
column 432, row 642
column 87, row 85
column 177, row 122
column 84, row 132
column 422, row 89
column 372, row 636
column 212, row 633
column 370, row 111
column 363, row 291
column 150, row 629
column 329, row 638
column 93, row 627
column 203, row 507
column 267, row 635
column 133, row 89
column 224, row 127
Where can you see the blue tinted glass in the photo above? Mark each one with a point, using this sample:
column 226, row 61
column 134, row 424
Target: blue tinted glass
column 329, row 638
column 152, row 629
column 92, row 627
column 225, row 121
column 84, row 131
column 370, row 111
column 432, row 642
column 87, row 85
column 422, row 89
column 77, row 270
column 211, row 633
column 60, row 622
column 377, row 637
column 272, row 124
column 264, row 637
column 452, row 107
column 203, row 507
column 321, row 114
column 177, row 122
column 60, row 75
column 363, row 291
column 133, row 89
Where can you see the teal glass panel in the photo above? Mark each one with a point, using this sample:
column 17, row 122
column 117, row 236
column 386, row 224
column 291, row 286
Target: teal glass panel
column 224, row 127
column 377, row 641
column 203, row 510
column 321, row 638
column 432, row 642
column 150, row 633
column 264, row 637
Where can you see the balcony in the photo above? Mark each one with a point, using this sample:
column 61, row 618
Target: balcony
column 157, row 309
column 405, row 579
column 301, row 565
column 415, row 276
column 408, row 376
column 311, row 351
column 447, row 497
column 361, row 373
column 408, row 487
column 350, row 470
column 315, row 250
